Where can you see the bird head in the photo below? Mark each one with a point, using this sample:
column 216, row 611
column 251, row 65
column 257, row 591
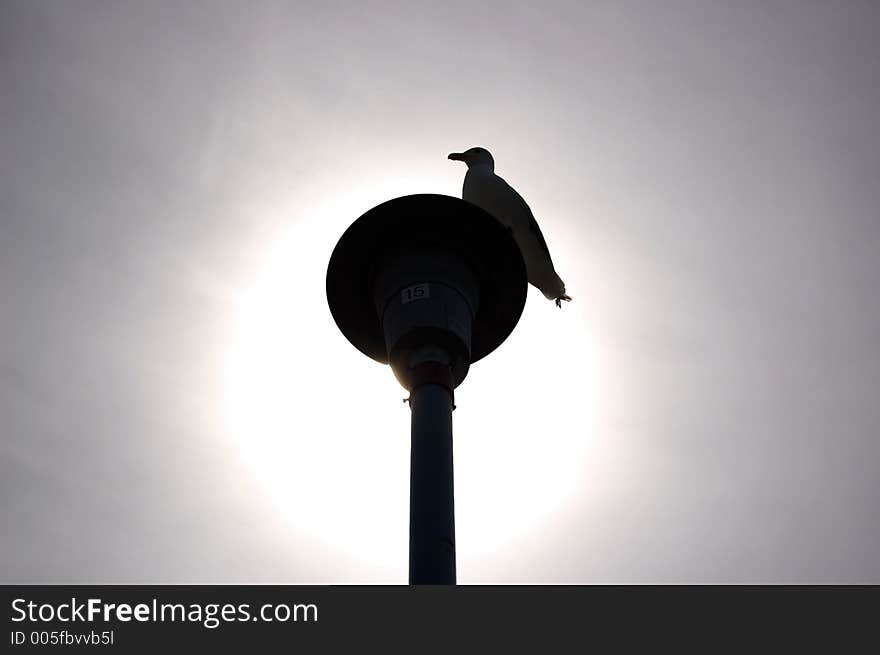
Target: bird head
column 475, row 157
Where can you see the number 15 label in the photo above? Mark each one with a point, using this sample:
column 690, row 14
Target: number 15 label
column 415, row 292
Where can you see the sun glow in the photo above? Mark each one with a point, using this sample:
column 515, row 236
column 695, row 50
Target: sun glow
column 325, row 431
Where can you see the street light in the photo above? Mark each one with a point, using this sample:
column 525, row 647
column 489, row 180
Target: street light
column 428, row 284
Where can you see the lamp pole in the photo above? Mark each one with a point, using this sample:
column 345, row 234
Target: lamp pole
column 428, row 284
column 431, row 497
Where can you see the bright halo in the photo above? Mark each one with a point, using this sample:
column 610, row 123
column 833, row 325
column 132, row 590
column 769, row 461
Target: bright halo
column 324, row 429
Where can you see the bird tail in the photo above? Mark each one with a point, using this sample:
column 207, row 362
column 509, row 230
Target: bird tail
column 564, row 297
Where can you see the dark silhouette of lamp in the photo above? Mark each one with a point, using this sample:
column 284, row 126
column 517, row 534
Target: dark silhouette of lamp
column 428, row 284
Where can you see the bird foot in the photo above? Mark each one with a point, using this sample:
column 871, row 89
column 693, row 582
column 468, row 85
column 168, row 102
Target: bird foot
column 561, row 298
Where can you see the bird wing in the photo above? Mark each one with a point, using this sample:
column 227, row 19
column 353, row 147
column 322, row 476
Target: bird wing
column 533, row 226
column 496, row 196
column 532, row 223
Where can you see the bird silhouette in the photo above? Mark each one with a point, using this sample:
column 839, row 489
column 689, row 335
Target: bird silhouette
column 487, row 190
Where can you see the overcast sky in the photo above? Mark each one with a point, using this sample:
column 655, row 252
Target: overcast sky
column 178, row 406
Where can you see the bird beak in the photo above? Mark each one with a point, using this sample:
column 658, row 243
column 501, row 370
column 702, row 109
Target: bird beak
column 457, row 156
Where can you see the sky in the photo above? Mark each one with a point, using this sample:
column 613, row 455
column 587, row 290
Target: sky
column 178, row 406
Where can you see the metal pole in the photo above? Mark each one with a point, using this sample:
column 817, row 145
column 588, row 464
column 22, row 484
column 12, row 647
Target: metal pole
column 431, row 511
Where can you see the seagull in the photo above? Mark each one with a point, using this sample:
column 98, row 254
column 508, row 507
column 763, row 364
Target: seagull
column 490, row 192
